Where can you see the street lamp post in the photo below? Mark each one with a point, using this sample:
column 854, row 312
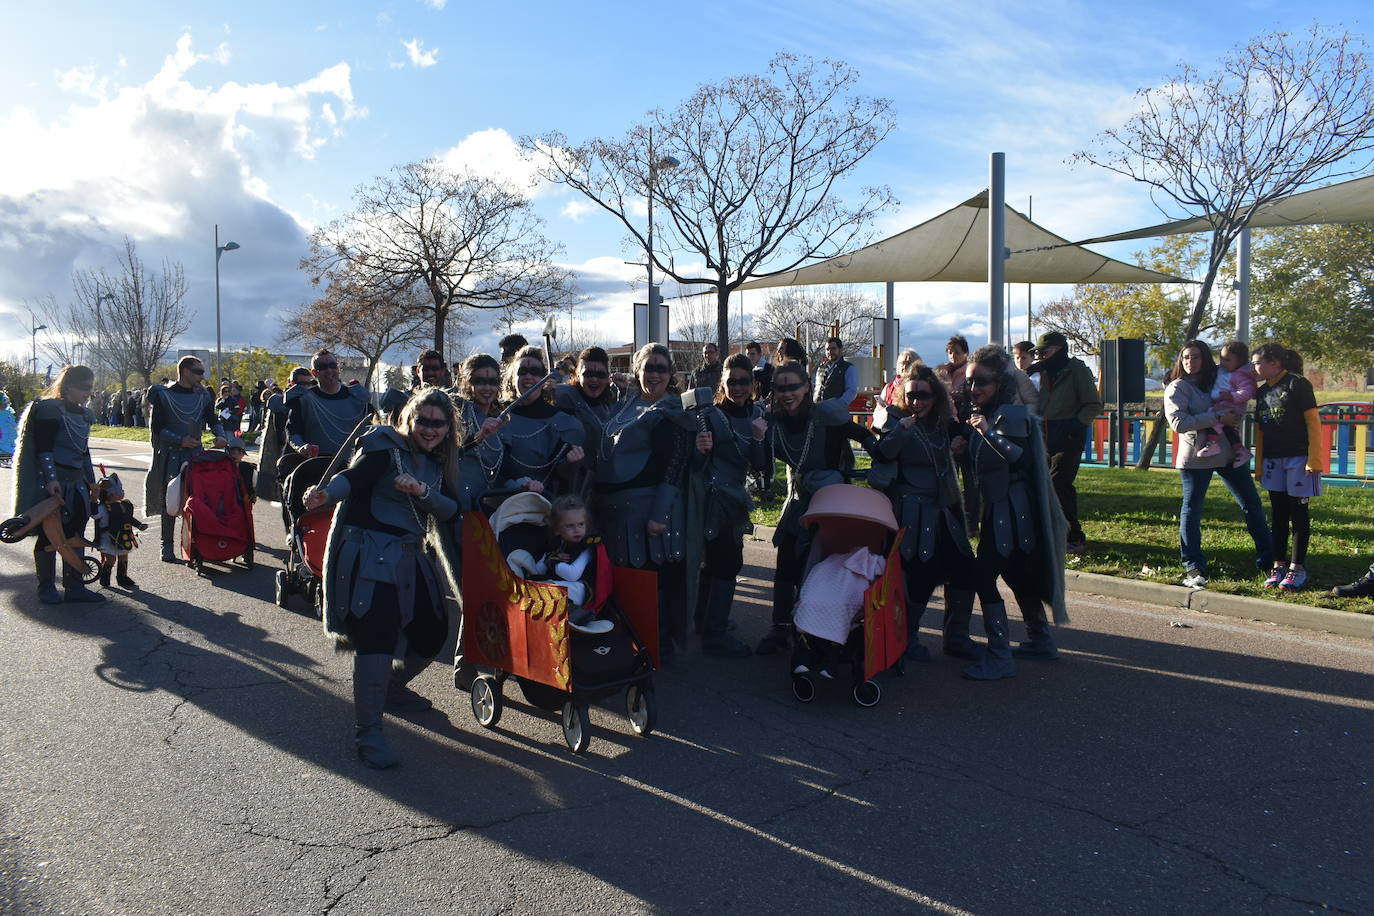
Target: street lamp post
column 667, row 162
column 219, row 252
column 99, row 329
column 34, row 336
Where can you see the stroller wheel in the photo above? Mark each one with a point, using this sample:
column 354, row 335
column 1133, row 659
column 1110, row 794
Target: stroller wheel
column 92, row 571
column 577, row 727
column 10, row 528
column 641, row 709
column 867, row 693
column 280, row 592
column 486, row 701
column 803, row 688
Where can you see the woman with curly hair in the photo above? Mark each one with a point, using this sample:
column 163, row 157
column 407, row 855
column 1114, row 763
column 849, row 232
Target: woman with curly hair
column 383, row 597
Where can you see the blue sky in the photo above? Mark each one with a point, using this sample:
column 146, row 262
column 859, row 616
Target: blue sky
column 159, row 119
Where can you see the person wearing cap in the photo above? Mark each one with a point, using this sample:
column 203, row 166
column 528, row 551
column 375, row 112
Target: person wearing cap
column 1069, row 402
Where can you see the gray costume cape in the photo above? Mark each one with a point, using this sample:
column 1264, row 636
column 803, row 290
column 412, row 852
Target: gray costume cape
column 273, row 435
column 185, row 413
column 70, row 460
column 356, row 559
column 924, row 488
column 1019, row 504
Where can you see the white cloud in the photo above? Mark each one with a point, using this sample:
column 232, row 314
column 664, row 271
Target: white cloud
column 495, row 154
column 577, row 210
column 162, row 162
column 419, row 57
column 436, row 4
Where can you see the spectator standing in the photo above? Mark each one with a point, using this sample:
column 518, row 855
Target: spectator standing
column 763, row 370
column 1069, row 402
column 708, row 373
column 1288, row 457
column 510, row 345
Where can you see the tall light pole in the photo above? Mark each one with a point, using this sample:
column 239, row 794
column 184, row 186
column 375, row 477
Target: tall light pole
column 34, row 336
column 667, row 162
column 99, row 327
column 219, row 252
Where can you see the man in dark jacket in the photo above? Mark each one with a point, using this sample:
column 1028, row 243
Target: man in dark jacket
column 708, row 373
column 1069, row 402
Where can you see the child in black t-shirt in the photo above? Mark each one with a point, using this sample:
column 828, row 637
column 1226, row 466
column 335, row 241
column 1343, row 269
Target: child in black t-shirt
column 1288, row 457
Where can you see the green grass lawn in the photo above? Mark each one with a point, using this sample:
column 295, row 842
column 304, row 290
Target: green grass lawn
column 1131, row 520
column 140, row 434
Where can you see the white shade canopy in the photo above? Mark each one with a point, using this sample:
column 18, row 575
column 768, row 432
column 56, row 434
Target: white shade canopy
column 1347, row 202
column 954, row 247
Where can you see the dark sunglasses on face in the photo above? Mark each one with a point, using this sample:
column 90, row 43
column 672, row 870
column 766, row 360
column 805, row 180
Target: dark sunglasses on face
column 531, row 370
column 739, row 382
column 485, row 381
column 200, row 371
column 323, row 366
column 656, row 369
column 595, row 373
column 427, row 423
column 919, row 395
column 433, row 367
column 788, row 389
column 981, row 381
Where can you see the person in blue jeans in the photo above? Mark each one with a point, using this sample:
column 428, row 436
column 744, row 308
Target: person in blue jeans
column 1189, row 411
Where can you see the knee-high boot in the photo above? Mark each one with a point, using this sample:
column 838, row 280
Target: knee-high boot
column 169, row 524
column 716, row 638
column 399, row 696
column 914, row 650
column 371, row 675
column 74, row 590
column 122, row 574
column 45, row 564
column 958, row 614
column 1039, row 640
column 996, row 662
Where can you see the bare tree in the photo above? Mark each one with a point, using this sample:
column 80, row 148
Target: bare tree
column 353, row 317
column 141, row 317
column 69, row 330
column 753, row 187
column 811, row 311
column 465, row 240
column 1280, row 114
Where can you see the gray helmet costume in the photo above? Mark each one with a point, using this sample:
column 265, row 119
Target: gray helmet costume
column 177, row 413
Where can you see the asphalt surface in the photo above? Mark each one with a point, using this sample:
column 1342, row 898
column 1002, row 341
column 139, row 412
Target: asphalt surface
column 187, row 748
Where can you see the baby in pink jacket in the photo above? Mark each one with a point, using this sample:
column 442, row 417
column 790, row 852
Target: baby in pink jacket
column 1235, row 385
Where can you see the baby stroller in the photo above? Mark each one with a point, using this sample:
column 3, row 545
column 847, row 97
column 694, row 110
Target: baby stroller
column 216, row 514
column 845, row 517
column 306, row 538
column 514, row 627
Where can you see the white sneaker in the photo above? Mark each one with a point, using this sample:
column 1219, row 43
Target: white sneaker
column 1194, row 579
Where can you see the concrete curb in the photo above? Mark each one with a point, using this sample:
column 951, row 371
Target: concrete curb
column 1303, row 616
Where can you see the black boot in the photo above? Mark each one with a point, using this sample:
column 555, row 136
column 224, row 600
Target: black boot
column 399, row 697
column 74, row 590
column 996, row 662
column 106, row 567
column 45, row 562
column 371, row 675
column 716, row 638
column 780, row 636
column 169, row 525
column 1039, row 640
column 1362, row 587
column 914, row 650
column 122, row 574
column 958, row 614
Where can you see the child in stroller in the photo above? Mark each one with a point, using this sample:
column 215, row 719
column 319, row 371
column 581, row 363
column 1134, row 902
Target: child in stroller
column 832, row 597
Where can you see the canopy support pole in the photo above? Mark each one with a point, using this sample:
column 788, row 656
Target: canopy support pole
column 890, row 341
column 1243, row 288
column 997, row 230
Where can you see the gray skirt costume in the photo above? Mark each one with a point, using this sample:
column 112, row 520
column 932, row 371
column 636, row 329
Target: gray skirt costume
column 623, row 516
column 366, row 558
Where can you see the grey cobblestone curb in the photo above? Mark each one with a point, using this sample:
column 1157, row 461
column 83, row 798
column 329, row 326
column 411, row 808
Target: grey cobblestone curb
column 1292, row 615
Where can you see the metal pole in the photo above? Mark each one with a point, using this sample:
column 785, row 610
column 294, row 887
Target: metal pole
column 1243, row 300
column 890, row 333
column 997, row 231
column 652, row 324
column 218, row 354
column 1030, row 211
column 99, row 301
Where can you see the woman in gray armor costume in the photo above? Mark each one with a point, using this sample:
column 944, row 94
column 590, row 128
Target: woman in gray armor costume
column 180, row 412
column 541, row 443
column 809, row 438
column 1022, row 529
column 474, row 399
column 53, row 458
column 383, row 597
column 916, row 437
column 737, row 429
column 591, row 398
column 643, row 458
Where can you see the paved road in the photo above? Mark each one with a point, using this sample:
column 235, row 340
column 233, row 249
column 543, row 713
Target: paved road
column 187, row 749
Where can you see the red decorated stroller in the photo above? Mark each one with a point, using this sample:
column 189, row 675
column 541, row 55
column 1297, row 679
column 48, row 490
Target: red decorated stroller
column 216, row 513
column 308, row 536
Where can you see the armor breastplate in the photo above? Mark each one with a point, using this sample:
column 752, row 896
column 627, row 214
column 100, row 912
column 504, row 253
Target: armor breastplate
column 73, row 434
column 627, row 440
column 184, row 411
column 921, row 463
column 329, row 421
column 733, row 443
column 995, row 473
column 533, row 443
column 388, row 505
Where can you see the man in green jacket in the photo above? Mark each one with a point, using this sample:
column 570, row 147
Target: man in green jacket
column 1069, row 402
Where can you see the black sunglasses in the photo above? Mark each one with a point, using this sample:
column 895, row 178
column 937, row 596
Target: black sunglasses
column 739, row 382
column 427, row 423
column 788, row 389
column 595, row 373
column 200, row 371
column 657, row 368
column 981, row 381
column 323, row 366
column 920, row 395
column 485, row 381
column 531, row 370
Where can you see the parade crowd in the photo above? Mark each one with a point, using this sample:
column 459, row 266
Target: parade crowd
column 977, row 456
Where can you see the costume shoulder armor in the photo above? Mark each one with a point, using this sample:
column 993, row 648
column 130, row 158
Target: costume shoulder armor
column 360, row 393
column 831, row 413
column 296, row 391
column 393, row 399
column 1013, row 420
column 565, row 397
column 47, row 409
column 381, row 438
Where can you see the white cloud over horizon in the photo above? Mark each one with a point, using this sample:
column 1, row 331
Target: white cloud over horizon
column 419, row 57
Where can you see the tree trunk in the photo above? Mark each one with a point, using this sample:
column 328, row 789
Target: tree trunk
column 723, row 320
column 1204, row 292
column 440, row 319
